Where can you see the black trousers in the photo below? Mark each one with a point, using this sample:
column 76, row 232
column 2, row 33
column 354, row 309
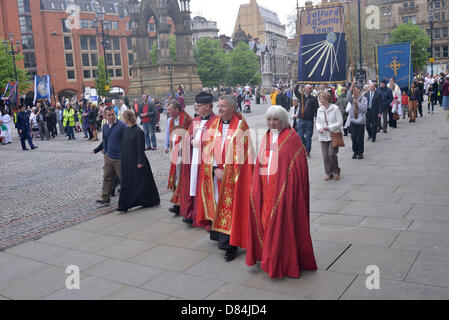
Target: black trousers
column 357, row 136
column 223, row 240
column 371, row 124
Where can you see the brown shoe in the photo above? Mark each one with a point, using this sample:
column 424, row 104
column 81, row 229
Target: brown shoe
column 337, row 177
column 328, row 178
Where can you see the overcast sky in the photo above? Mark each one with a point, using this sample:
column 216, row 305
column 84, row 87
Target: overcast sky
column 224, row 12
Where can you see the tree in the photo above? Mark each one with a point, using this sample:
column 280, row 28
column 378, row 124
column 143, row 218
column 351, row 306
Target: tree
column 173, row 48
column 100, row 82
column 154, row 53
column 212, row 62
column 245, row 68
column 408, row 32
column 7, row 71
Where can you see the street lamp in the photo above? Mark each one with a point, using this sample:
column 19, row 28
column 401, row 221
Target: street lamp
column 274, row 46
column 431, row 35
column 170, row 71
column 99, row 13
column 13, row 51
column 229, row 76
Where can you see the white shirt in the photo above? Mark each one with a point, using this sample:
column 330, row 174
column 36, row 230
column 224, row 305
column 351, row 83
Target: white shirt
column 196, row 159
column 122, row 110
column 334, row 119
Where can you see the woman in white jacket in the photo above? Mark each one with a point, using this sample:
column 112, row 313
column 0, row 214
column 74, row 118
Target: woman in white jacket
column 329, row 119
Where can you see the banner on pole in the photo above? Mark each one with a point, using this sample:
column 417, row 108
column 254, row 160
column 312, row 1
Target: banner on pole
column 322, row 51
column 42, row 88
column 395, row 61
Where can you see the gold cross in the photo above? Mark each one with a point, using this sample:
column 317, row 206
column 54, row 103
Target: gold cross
column 395, row 66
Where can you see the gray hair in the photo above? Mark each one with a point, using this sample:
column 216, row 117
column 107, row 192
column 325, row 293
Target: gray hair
column 280, row 113
column 230, row 100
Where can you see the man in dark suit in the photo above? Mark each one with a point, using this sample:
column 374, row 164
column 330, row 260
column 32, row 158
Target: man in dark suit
column 23, row 125
column 374, row 111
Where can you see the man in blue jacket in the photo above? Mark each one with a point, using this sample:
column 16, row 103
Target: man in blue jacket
column 112, row 146
column 23, row 126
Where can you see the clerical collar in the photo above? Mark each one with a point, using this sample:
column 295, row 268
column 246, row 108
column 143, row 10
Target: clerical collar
column 227, row 122
column 206, row 118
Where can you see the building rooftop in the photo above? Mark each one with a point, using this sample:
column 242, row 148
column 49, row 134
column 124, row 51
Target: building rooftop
column 108, row 6
column 270, row 16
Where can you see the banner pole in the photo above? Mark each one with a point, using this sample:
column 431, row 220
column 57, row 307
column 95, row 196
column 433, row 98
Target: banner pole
column 350, row 42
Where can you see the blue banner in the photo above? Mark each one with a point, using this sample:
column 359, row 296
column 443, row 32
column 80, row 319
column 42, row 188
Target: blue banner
column 42, row 88
column 395, row 61
column 322, row 52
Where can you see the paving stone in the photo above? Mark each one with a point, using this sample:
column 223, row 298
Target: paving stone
column 6, row 257
column 355, row 235
column 339, row 219
column 98, row 243
column 101, row 222
column 204, row 244
column 183, row 286
column 327, row 252
column 386, row 223
column 379, row 209
column 390, row 181
column 394, row 290
column 132, row 293
column 427, row 199
column 335, row 194
column 429, row 213
column 151, row 214
column 91, row 288
column 35, row 285
column 170, row 258
column 36, row 250
column 123, row 229
column 422, row 241
column 18, row 268
column 327, row 206
column 317, row 285
column 393, row 263
column 68, row 238
column 73, row 257
column 431, row 268
column 430, row 226
column 123, row 272
column 126, row 249
column 235, row 292
column 314, row 216
column 214, row 267
column 154, row 232
column 182, row 237
column 372, row 196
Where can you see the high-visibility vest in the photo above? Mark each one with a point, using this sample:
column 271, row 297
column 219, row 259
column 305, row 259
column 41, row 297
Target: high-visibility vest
column 69, row 116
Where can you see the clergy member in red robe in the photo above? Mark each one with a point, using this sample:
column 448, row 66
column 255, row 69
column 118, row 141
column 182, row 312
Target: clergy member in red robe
column 192, row 156
column 178, row 126
column 226, row 176
column 279, row 227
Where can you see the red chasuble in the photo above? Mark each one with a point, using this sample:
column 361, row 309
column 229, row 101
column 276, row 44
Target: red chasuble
column 229, row 213
column 279, row 227
column 184, row 123
column 188, row 203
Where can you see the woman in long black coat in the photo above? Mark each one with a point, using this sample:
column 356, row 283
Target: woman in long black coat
column 137, row 182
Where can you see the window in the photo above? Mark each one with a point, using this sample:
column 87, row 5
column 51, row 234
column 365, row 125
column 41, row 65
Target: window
column 24, row 6
column 69, row 60
column 118, row 73
column 92, row 43
column 130, row 59
column 29, row 60
column 117, row 59
column 95, row 74
column 94, row 59
column 110, row 73
column 437, row 33
column 86, row 74
column 67, row 43
column 109, row 59
column 83, row 42
column 437, row 52
column 27, row 42
column 65, row 25
column 25, row 24
column 115, row 43
column 71, row 74
column 445, row 32
column 129, row 43
column 114, row 25
column 445, row 52
column 84, row 24
column 85, row 58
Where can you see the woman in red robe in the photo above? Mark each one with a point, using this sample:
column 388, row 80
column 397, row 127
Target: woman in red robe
column 279, row 228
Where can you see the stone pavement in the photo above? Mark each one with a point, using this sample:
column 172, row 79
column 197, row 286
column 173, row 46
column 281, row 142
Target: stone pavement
column 390, row 210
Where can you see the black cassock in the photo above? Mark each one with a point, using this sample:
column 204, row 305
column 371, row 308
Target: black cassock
column 137, row 185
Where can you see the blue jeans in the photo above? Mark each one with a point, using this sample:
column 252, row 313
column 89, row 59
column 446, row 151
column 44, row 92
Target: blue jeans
column 304, row 128
column 70, row 132
column 149, row 131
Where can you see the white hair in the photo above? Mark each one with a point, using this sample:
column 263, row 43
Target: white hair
column 280, row 113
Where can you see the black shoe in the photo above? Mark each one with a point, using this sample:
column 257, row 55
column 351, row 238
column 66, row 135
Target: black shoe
column 231, row 254
column 410, row 121
column 188, row 221
column 354, row 156
column 103, row 203
column 175, row 210
column 113, row 193
column 374, row 140
column 26, row 149
column 35, row 147
column 360, row 156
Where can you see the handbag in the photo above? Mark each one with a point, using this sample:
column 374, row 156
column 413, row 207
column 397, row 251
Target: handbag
column 337, row 137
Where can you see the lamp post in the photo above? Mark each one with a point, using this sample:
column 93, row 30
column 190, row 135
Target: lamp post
column 229, row 76
column 99, row 14
column 274, row 46
column 13, row 51
column 431, row 36
column 170, row 71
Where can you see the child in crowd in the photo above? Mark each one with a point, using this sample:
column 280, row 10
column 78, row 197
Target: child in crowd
column 404, row 102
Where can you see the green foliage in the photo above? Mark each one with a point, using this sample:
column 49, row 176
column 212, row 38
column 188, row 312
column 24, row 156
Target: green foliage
column 7, row 71
column 408, row 32
column 244, row 66
column 100, row 82
column 173, row 48
column 212, row 62
column 154, row 53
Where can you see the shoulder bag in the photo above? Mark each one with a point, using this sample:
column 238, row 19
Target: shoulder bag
column 337, row 137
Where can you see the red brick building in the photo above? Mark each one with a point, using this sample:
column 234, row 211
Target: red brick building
column 63, row 39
